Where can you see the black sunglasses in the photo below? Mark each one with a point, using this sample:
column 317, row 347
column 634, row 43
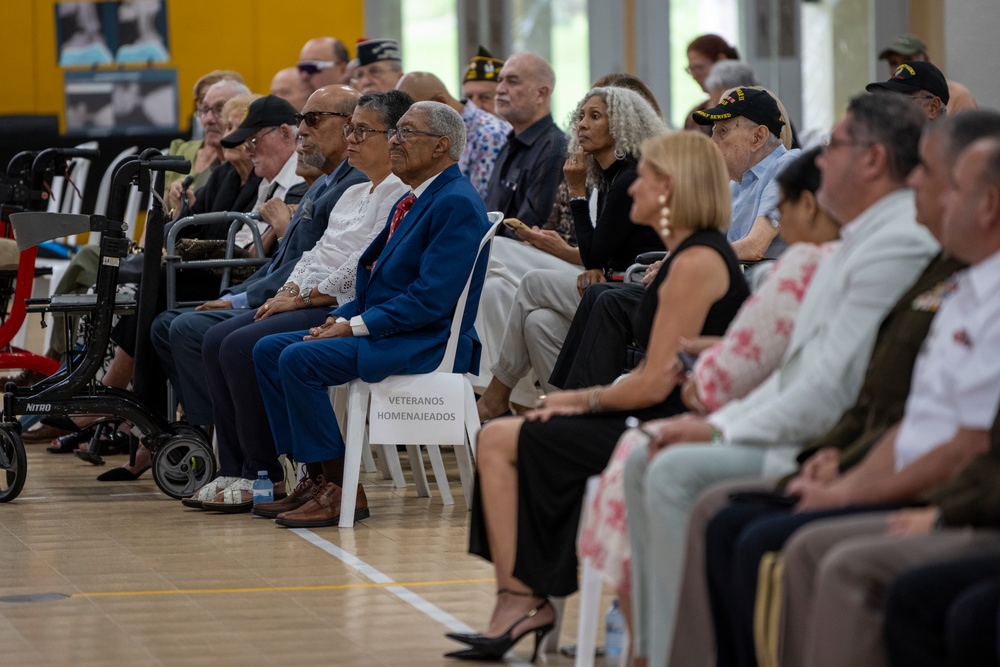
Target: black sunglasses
column 310, row 67
column 312, row 117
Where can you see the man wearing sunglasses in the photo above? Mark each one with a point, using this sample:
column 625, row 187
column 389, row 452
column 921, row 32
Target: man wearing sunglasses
column 323, row 62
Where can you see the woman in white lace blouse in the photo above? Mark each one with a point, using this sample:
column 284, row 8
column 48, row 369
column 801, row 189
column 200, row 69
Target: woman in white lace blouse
column 323, row 277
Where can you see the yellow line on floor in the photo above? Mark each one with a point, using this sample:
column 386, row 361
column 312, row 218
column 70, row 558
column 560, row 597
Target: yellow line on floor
column 273, row 589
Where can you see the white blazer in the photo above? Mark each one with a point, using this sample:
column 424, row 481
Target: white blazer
column 883, row 252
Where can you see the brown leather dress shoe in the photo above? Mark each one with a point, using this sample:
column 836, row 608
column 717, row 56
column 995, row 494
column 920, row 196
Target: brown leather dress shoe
column 293, row 501
column 323, row 509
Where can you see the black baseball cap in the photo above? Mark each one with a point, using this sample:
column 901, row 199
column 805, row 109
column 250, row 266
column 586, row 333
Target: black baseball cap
column 915, row 75
column 755, row 105
column 267, row 111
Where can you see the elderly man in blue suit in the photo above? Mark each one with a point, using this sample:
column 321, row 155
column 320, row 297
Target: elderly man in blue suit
column 177, row 334
column 409, row 282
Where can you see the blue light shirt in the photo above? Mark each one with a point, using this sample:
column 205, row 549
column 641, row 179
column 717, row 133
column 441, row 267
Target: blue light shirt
column 757, row 195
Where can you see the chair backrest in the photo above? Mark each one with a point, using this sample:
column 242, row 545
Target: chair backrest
column 447, row 364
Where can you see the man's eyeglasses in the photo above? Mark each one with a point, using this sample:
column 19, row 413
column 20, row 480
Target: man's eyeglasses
column 403, row 134
column 251, row 144
column 311, row 118
column 373, row 71
column 217, row 110
column 361, row 133
column 830, row 142
column 310, row 67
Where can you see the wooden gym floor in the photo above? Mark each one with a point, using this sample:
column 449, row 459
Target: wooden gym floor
column 96, row 573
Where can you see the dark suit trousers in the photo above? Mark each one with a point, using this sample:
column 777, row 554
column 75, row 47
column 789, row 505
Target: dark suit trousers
column 736, row 538
column 294, row 376
column 944, row 614
column 245, row 442
column 596, row 347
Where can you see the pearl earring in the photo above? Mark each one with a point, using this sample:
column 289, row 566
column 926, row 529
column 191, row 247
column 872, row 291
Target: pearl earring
column 664, row 216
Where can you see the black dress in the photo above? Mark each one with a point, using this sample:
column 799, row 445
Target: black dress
column 556, row 458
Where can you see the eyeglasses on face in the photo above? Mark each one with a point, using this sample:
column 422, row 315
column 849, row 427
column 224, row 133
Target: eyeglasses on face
column 217, row 110
column 310, row 67
column 403, row 134
column 829, row 142
column 311, row 118
column 251, row 144
column 371, row 71
column 361, row 133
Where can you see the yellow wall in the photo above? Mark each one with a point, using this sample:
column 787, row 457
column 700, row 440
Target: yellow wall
column 253, row 37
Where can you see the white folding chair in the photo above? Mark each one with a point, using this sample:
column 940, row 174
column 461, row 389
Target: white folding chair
column 358, row 410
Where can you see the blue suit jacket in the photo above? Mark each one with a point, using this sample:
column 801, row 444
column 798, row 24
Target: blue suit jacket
column 304, row 231
column 408, row 299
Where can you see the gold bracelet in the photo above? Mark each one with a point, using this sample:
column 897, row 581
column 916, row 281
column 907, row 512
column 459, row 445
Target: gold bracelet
column 594, row 398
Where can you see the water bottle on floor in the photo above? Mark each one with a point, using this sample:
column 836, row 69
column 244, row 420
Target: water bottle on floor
column 263, row 489
column 614, row 634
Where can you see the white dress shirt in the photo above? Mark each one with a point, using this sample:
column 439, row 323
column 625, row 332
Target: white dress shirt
column 956, row 379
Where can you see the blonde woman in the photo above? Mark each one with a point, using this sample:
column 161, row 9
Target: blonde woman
column 533, row 470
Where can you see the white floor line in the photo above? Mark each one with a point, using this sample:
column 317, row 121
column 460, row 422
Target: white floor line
column 366, row 570
column 403, row 593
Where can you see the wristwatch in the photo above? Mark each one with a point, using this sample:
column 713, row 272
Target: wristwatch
column 306, row 299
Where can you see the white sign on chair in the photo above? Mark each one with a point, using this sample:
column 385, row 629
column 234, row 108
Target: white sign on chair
column 418, row 410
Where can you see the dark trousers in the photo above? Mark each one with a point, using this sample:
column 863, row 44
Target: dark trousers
column 736, row 538
column 596, row 348
column 945, row 614
column 294, row 377
column 245, row 441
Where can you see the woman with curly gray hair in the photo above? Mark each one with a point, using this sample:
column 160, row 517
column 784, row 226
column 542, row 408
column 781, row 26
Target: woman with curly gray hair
column 608, row 127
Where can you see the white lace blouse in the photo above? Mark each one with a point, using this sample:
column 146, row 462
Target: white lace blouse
column 332, row 264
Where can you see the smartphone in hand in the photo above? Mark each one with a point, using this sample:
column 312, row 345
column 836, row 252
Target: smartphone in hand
column 514, row 224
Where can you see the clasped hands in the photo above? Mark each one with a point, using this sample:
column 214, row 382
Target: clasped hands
column 331, row 328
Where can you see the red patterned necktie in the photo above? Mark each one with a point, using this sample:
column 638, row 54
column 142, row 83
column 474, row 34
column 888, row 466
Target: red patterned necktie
column 401, row 208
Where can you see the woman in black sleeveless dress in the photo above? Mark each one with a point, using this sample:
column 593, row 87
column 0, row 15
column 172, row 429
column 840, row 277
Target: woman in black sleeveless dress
column 532, row 471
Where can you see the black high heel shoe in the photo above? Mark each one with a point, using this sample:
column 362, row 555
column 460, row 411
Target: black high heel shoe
column 494, row 648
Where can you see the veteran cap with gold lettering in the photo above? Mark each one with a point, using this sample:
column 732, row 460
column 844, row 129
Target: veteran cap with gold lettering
column 912, row 76
column 753, row 104
column 483, row 67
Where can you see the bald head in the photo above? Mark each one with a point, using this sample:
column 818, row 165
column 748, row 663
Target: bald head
column 524, row 90
column 287, row 85
column 322, row 62
column 426, row 87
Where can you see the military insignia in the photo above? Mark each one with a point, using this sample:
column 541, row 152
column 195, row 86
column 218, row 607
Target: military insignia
column 931, row 300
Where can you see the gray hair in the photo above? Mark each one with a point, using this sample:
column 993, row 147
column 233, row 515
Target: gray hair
column 390, row 106
column 631, row 120
column 234, row 86
column 892, row 121
column 731, row 74
column 444, row 120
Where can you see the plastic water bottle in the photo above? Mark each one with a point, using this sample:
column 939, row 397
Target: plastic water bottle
column 263, row 489
column 614, row 634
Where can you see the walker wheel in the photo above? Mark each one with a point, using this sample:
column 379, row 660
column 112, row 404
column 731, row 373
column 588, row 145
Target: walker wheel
column 13, row 464
column 182, row 465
